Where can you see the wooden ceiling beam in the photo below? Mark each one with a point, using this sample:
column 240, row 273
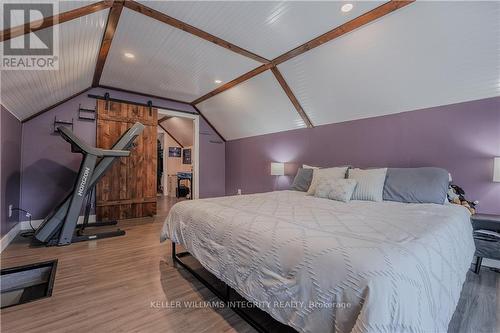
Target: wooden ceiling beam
column 116, row 9
column 343, row 29
column 159, row 16
column 107, row 39
column 355, row 23
column 169, row 134
column 230, row 84
column 291, row 96
column 48, row 22
column 209, row 123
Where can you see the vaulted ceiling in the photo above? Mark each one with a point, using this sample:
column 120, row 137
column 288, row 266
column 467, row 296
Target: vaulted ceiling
column 168, row 61
column 26, row 92
column 179, row 129
column 260, row 67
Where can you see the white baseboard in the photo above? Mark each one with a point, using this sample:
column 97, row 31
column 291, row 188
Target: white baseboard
column 25, row 225
column 9, row 237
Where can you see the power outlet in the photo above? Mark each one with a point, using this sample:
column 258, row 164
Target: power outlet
column 239, row 191
column 10, row 211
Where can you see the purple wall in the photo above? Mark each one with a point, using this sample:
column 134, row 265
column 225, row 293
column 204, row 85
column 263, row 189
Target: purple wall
column 49, row 168
column 10, row 152
column 462, row 138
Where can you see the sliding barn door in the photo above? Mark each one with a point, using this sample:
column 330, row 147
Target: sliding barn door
column 128, row 189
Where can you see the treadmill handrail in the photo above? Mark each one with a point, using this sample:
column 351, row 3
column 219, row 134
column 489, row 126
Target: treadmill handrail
column 69, row 136
column 75, row 141
column 114, row 153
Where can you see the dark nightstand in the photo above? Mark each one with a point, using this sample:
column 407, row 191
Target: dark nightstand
column 487, row 246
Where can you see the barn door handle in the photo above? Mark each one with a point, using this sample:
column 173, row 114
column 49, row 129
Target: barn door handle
column 106, row 98
column 150, row 104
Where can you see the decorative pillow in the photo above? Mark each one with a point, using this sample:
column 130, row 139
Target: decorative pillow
column 370, row 184
column 302, row 180
column 336, row 189
column 417, row 185
column 320, row 175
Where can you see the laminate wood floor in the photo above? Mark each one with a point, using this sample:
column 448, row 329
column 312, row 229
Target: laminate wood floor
column 126, row 284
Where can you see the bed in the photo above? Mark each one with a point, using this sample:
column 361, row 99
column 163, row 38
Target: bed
column 320, row 265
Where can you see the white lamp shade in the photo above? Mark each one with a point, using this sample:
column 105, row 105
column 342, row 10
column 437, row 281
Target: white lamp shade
column 277, row 169
column 496, row 169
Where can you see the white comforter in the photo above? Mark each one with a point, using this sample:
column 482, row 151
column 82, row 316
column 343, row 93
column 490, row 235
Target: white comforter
column 325, row 266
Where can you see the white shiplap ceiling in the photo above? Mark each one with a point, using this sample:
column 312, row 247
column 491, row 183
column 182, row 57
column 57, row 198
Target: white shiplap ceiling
column 18, row 18
column 168, row 61
column 254, row 107
column 426, row 54
column 267, row 28
column 26, row 92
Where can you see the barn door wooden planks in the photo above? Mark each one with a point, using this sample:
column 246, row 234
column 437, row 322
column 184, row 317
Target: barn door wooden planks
column 128, row 189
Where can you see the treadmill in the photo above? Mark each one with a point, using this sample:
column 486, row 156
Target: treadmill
column 60, row 226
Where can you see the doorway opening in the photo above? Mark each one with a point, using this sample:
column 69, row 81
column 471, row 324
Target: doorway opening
column 178, row 152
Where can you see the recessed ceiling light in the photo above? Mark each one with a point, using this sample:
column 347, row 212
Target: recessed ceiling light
column 217, row 81
column 129, row 55
column 347, row 7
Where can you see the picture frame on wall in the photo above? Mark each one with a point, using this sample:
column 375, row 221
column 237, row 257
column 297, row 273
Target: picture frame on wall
column 174, row 152
column 186, row 156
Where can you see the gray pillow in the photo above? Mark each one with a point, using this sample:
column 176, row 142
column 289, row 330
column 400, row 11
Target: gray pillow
column 302, row 180
column 416, row 185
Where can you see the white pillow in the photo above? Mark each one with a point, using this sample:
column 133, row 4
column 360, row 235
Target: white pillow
column 320, row 175
column 336, row 189
column 370, row 184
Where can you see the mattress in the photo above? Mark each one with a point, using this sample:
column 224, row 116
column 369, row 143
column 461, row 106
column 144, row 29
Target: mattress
column 319, row 265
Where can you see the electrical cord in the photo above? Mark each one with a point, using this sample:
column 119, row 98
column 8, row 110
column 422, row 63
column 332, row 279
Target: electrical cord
column 28, row 215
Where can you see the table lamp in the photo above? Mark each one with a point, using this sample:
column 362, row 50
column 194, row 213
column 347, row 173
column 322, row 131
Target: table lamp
column 277, row 169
